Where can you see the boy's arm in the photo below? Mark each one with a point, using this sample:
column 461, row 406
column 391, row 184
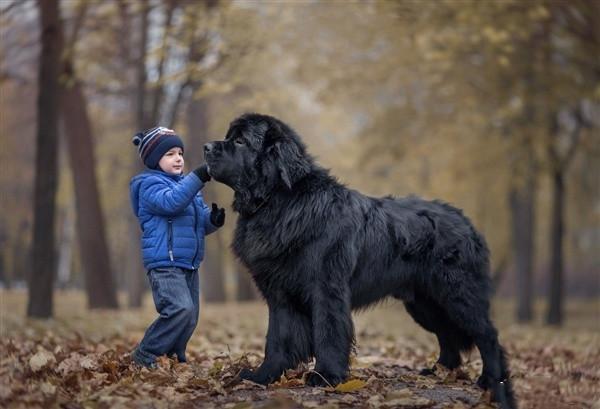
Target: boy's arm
column 165, row 200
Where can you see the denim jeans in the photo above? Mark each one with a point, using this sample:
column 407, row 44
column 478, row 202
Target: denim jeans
column 176, row 294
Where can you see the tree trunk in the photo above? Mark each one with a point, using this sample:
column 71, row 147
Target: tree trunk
column 523, row 227
column 95, row 258
column 141, row 77
column 157, row 96
column 522, row 208
column 136, row 283
column 41, row 279
column 555, row 307
column 213, row 288
column 557, row 229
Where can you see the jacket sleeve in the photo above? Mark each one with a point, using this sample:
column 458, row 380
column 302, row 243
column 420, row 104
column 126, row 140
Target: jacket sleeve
column 208, row 226
column 165, row 200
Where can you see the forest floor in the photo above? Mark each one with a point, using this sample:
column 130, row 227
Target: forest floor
column 80, row 359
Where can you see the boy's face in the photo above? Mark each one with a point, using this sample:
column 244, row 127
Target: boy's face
column 172, row 161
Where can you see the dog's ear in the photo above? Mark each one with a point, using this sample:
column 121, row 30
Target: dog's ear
column 288, row 155
column 290, row 163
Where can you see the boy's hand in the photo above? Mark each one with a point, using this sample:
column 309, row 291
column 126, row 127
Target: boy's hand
column 202, row 173
column 217, row 216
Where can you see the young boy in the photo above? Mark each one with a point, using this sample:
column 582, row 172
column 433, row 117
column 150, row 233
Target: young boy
column 174, row 221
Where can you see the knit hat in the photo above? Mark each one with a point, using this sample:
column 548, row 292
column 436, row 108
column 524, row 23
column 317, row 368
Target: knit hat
column 154, row 143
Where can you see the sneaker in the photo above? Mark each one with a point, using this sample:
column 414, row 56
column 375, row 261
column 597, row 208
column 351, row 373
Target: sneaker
column 137, row 358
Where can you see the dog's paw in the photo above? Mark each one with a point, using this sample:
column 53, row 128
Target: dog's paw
column 249, row 375
column 323, row 379
column 246, row 374
column 484, row 382
column 427, row 371
column 256, row 377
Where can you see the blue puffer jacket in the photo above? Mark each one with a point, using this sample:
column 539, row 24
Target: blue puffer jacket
column 173, row 217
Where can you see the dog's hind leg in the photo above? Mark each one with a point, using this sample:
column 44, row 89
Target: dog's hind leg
column 450, row 337
column 472, row 316
column 495, row 375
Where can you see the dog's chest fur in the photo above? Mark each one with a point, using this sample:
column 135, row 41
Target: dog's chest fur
column 272, row 247
column 258, row 246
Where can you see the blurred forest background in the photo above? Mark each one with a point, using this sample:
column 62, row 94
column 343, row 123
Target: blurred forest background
column 493, row 106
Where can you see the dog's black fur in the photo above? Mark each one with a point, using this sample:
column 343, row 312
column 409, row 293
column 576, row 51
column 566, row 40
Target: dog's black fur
column 318, row 250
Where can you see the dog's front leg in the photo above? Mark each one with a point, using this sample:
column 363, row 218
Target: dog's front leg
column 289, row 342
column 333, row 334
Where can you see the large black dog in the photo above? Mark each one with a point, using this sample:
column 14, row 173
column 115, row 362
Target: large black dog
column 318, row 250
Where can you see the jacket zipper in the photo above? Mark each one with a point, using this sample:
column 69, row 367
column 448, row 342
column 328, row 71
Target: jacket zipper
column 170, row 239
column 195, row 231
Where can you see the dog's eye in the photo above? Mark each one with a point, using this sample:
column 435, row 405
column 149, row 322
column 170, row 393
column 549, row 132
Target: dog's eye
column 238, row 141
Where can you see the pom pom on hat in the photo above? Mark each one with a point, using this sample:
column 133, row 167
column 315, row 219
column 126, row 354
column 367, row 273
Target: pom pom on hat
column 137, row 138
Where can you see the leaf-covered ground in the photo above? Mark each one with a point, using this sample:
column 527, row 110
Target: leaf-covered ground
column 80, row 359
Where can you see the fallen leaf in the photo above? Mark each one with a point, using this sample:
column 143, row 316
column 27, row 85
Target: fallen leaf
column 47, row 388
column 41, row 359
column 88, row 363
column 350, row 386
column 70, row 364
column 216, row 368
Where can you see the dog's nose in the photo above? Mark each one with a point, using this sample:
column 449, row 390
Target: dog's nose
column 208, row 147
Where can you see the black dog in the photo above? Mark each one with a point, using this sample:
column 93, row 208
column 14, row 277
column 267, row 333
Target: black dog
column 317, row 250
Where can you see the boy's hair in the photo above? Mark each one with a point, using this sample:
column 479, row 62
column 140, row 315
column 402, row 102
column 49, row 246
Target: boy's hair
column 153, row 143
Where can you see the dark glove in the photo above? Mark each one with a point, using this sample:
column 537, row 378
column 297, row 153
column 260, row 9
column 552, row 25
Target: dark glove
column 202, row 173
column 217, row 216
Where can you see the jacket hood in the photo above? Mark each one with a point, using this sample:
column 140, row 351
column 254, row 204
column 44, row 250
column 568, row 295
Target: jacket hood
column 136, row 184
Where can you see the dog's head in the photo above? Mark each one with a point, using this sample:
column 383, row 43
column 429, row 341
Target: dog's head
column 260, row 153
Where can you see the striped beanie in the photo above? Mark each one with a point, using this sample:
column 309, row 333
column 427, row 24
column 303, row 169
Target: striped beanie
column 154, row 143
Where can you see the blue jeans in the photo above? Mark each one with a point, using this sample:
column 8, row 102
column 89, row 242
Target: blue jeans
column 176, row 294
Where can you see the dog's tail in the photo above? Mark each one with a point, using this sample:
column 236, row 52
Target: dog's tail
column 503, row 392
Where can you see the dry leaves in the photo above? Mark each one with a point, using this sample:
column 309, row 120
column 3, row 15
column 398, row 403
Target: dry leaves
column 65, row 363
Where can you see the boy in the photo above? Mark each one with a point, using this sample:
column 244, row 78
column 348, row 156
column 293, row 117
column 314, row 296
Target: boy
column 174, row 221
